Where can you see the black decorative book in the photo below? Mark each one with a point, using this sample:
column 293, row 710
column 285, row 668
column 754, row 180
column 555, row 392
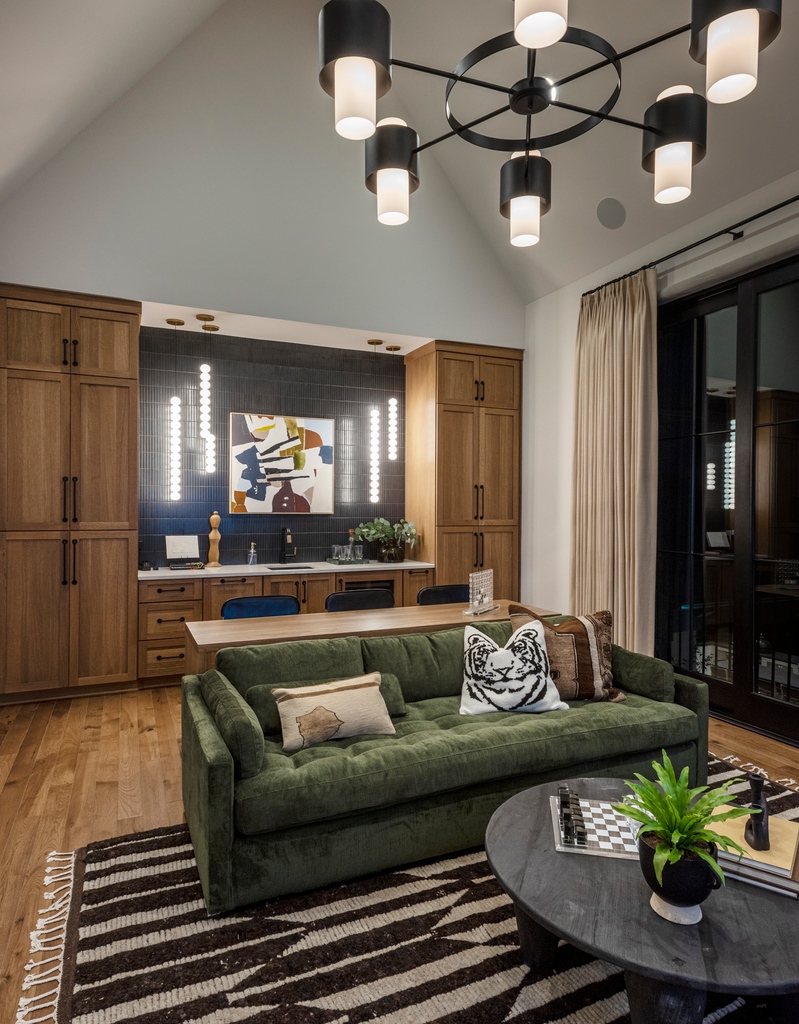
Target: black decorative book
column 591, row 826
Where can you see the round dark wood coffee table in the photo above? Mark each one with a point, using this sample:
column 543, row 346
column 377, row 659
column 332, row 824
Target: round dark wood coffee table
column 746, row 943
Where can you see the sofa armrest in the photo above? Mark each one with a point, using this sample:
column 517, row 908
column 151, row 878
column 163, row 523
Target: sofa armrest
column 641, row 674
column 207, row 771
column 694, row 694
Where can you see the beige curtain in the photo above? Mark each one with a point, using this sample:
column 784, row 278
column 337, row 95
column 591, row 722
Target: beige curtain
column 614, row 504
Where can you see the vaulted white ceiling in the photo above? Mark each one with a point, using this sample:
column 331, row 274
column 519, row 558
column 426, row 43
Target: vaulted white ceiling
column 63, row 64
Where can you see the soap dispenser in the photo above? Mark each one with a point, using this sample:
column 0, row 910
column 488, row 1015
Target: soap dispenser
column 252, row 557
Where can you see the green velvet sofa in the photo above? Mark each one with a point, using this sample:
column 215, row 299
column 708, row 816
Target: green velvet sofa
column 264, row 823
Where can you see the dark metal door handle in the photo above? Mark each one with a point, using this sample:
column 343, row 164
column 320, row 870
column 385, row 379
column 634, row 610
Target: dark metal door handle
column 74, row 562
column 483, row 391
column 476, row 550
column 483, row 501
column 64, row 517
column 65, row 580
column 477, row 391
column 476, row 502
column 483, row 550
column 74, row 351
column 74, row 499
column 170, row 590
column 304, row 593
column 169, row 657
column 65, row 360
column 181, row 619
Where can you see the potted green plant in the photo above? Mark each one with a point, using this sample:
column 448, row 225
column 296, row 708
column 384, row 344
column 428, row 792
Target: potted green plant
column 677, row 845
column 389, row 538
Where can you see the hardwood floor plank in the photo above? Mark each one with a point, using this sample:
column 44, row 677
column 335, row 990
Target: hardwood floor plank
column 129, row 763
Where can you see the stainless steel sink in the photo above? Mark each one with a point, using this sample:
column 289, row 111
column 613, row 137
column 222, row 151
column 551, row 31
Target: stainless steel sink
column 290, row 566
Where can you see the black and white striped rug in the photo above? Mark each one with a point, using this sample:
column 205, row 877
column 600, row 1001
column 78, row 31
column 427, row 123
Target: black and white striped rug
column 125, row 938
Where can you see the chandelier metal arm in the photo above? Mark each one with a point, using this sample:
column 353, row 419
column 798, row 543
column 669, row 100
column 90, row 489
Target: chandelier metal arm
column 625, row 53
column 465, row 127
column 449, row 74
column 605, row 117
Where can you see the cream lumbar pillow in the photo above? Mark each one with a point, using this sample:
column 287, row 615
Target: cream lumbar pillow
column 511, row 678
column 332, row 711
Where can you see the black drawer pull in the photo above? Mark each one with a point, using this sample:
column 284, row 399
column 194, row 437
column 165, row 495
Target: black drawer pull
column 181, row 619
column 170, row 590
column 74, row 351
column 242, row 580
column 170, row 657
column 65, row 360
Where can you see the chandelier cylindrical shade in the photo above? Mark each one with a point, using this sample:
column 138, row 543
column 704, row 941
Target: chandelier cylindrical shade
column 727, row 36
column 677, row 141
column 355, row 62
column 392, row 169
column 525, row 191
column 540, row 23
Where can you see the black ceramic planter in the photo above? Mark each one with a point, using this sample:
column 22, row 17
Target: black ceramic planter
column 391, row 552
column 685, row 884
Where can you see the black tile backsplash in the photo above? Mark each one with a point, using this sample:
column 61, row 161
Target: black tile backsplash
column 268, row 377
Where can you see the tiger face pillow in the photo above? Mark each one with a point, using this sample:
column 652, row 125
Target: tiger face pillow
column 510, row 678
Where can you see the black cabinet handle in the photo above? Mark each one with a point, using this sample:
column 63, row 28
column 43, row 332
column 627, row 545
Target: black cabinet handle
column 476, row 502
column 65, row 360
column 170, row 590
column 476, row 550
column 417, row 572
column 74, row 562
column 74, row 499
column 65, row 580
column 181, row 619
column 483, row 550
column 297, row 589
column 242, row 580
column 477, row 391
column 64, row 518
column 169, row 657
column 483, row 391
column 482, row 501
column 304, row 593
column 74, row 351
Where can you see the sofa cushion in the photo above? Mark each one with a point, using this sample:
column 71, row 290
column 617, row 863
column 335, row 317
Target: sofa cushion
column 261, row 699
column 426, row 664
column 437, row 750
column 310, row 715
column 510, row 678
column 648, row 677
column 286, row 663
column 236, row 722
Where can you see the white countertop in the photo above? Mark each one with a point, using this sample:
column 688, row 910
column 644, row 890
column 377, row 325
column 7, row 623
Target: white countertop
column 298, row 567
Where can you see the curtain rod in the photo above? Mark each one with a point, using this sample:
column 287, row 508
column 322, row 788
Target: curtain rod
column 734, row 229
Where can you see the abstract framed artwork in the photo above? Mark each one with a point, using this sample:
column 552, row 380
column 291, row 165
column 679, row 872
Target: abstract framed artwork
column 280, row 464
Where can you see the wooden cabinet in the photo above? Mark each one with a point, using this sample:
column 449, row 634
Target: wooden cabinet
column 463, row 429
column 58, row 336
column 222, row 588
column 68, row 501
column 164, row 609
column 311, row 590
column 414, row 580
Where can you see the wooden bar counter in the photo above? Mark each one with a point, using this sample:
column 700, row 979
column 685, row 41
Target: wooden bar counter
column 204, row 639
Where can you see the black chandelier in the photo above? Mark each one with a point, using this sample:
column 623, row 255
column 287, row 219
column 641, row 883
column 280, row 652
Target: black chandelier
column 356, row 63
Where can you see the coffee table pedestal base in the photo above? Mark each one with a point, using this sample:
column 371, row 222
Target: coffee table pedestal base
column 538, row 946
column 658, row 1002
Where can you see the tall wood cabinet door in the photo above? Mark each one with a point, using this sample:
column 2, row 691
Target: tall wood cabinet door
column 500, row 382
column 35, row 489
column 103, row 480
column 103, row 607
column 35, row 335
column 457, row 554
column 498, row 472
column 457, row 465
column 34, row 625
column 499, row 550
column 458, row 378
column 105, row 344
column 217, row 591
column 314, row 591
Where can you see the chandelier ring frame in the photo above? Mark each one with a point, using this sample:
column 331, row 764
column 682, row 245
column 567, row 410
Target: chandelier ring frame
column 574, row 36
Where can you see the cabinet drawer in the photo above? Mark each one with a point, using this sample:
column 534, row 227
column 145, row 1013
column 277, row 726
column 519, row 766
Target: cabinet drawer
column 161, row 658
column 160, row 620
column 171, row 590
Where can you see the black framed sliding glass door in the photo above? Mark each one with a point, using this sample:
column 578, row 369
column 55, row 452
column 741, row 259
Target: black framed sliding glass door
column 728, row 507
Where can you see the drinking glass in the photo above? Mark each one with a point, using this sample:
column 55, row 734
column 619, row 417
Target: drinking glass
column 359, row 550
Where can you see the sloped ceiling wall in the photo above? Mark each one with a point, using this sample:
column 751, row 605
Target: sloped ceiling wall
column 218, row 181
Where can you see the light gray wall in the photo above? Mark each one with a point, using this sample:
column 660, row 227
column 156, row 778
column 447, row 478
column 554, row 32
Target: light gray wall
column 218, row 181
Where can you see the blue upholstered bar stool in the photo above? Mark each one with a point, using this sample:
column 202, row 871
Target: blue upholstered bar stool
column 358, row 600
column 455, row 593
column 258, row 607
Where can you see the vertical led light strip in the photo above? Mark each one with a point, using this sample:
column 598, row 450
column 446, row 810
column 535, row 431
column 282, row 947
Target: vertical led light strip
column 174, row 448
column 729, row 469
column 711, row 476
column 392, row 429
column 205, row 418
column 374, row 457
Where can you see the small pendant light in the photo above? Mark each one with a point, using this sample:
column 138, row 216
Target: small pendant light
column 392, row 169
column 540, row 23
column 679, row 117
column 525, row 195
column 727, row 36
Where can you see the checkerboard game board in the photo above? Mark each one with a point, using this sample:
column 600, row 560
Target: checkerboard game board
column 591, row 826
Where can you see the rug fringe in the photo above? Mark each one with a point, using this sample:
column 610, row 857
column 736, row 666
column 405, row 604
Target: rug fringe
column 48, row 937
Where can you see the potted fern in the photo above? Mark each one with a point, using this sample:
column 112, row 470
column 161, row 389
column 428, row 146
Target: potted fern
column 677, row 845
